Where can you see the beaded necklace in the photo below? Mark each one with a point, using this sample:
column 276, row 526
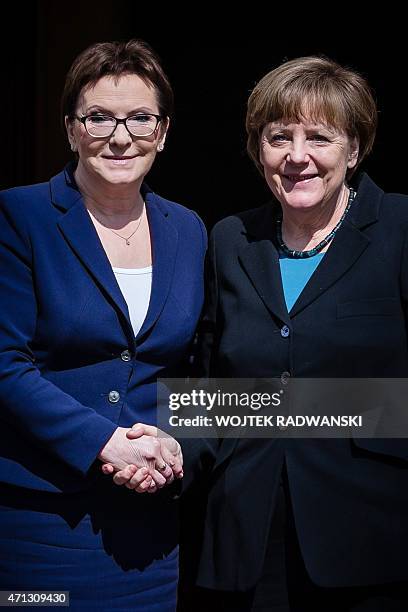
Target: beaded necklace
column 292, row 253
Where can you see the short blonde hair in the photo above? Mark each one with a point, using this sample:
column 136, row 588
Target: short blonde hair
column 316, row 88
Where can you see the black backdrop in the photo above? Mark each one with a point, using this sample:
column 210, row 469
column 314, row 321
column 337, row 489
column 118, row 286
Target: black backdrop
column 213, row 65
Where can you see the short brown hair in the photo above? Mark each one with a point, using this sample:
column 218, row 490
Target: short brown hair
column 116, row 59
column 316, row 88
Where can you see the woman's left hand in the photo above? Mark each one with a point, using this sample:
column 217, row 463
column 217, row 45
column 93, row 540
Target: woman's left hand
column 138, row 479
column 142, row 481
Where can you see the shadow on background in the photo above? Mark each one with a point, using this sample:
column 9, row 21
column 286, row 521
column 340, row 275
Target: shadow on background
column 213, row 66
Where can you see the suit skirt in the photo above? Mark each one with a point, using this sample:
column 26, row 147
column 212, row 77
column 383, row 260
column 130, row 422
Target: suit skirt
column 111, row 548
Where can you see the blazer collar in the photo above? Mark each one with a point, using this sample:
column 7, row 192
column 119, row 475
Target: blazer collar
column 80, row 233
column 366, row 206
column 348, row 244
column 260, row 257
column 64, row 191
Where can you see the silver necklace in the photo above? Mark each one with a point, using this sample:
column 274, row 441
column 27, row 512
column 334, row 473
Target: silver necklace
column 125, row 238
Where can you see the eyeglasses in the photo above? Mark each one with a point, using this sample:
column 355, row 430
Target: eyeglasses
column 103, row 126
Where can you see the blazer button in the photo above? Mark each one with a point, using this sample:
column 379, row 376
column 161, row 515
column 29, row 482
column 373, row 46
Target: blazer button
column 285, row 378
column 114, row 397
column 285, row 331
column 126, row 356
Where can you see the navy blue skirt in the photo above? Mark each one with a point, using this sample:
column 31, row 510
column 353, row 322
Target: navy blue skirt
column 111, row 548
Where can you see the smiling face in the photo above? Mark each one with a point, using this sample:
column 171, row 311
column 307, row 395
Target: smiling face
column 121, row 159
column 305, row 163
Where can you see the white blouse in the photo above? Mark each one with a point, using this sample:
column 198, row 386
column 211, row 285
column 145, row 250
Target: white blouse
column 135, row 285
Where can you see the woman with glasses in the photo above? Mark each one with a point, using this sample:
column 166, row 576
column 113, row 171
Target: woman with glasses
column 101, row 289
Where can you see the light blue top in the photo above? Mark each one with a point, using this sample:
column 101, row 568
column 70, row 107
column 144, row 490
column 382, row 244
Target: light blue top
column 295, row 275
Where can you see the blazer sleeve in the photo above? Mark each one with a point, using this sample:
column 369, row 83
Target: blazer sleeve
column 393, row 447
column 206, row 346
column 52, row 419
column 200, row 453
column 404, row 277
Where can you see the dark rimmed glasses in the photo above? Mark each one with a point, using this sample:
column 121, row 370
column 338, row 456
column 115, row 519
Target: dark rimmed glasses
column 103, row 126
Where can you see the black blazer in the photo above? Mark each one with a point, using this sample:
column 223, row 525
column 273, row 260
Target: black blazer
column 349, row 496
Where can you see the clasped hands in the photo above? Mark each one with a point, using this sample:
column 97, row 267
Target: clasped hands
column 142, row 458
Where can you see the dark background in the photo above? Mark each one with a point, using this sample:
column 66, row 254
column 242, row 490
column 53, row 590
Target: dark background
column 213, row 64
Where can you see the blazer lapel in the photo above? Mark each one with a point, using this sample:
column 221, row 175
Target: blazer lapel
column 164, row 237
column 260, row 259
column 347, row 246
column 261, row 262
column 79, row 231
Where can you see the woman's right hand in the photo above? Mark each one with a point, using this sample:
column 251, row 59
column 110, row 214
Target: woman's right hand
column 169, row 447
column 170, row 466
column 133, row 461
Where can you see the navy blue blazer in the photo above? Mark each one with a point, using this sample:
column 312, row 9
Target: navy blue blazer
column 349, row 496
column 66, row 339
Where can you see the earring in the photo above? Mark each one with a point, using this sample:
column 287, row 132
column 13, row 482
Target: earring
column 73, row 147
column 160, row 147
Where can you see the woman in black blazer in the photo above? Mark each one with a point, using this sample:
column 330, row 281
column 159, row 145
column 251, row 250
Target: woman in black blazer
column 312, row 285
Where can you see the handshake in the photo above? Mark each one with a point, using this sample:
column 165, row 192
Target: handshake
column 142, row 458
